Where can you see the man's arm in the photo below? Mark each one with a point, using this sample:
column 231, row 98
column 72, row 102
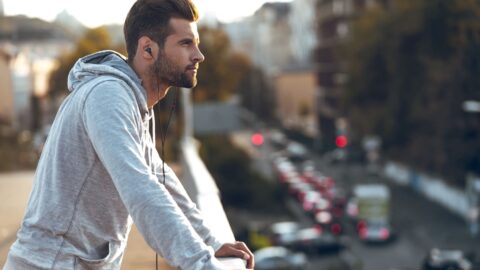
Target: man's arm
column 189, row 208
column 111, row 121
column 178, row 192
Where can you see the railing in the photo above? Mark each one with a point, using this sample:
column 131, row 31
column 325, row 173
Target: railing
column 201, row 186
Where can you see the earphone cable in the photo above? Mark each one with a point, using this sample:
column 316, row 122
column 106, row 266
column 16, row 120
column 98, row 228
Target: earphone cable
column 163, row 138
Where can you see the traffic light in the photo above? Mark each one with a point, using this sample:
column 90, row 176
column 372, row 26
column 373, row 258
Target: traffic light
column 257, row 139
column 341, row 141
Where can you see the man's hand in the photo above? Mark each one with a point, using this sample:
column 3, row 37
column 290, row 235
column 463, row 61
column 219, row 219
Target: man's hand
column 237, row 249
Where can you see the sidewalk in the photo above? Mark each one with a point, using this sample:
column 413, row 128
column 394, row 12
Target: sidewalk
column 14, row 191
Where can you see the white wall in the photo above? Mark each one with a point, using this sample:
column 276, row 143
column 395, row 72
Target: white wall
column 433, row 188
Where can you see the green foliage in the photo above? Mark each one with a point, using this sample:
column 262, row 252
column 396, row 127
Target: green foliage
column 257, row 94
column 411, row 66
column 16, row 150
column 226, row 72
column 94, row 40
column 239, row 185
column 222, row 69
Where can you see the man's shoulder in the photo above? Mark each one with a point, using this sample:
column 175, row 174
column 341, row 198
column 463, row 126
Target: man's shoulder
column 108, row 86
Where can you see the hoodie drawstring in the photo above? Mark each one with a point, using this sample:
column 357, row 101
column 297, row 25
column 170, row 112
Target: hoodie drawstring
column 154, row 145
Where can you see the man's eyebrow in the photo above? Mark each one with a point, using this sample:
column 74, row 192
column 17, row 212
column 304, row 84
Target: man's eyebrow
column 189, row 40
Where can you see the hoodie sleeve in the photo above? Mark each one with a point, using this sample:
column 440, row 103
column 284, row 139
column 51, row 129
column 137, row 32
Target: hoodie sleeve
column 189, row 208
column 113, row 123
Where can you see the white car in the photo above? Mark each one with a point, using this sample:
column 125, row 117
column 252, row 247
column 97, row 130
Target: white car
column 279, row 258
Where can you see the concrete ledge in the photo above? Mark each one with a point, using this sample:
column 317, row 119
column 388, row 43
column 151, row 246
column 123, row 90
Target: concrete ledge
column 201, row 187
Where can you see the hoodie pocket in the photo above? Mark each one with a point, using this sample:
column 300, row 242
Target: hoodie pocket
column 110, row 261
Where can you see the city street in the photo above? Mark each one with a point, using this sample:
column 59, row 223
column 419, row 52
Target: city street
column 419, row 224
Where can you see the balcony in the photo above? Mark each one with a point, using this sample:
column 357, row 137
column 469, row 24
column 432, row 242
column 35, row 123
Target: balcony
column 201, row 187
column 15, row 189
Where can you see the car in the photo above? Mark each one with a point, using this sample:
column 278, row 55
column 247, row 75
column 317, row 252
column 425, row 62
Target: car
column 314, row 240
column 296, row 152
column 329, row 222
column 279, row 258
column 373, row 216
column 309, row 199
column 283, row 233
column 278, row 139
column 374, row 231
column 297, row 188
column 446, row 259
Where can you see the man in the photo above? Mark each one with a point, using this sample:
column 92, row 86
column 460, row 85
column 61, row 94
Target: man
column 99, row 170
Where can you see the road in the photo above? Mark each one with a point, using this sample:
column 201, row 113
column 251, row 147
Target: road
column 420, row 224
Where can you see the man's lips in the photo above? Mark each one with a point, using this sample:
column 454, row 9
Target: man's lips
column 192, row 68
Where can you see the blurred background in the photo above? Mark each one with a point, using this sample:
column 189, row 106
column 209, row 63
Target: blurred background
column 342, row 134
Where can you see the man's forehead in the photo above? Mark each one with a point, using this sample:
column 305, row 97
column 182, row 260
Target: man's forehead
column 184, row 28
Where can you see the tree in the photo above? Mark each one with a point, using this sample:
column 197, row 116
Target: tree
column 239, row 184
column 223, row 68
column 94, row 40
column 226, row 72
column 257, row 94
column 410, row 67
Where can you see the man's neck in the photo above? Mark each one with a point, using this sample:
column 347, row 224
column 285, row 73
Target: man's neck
column 155, row 89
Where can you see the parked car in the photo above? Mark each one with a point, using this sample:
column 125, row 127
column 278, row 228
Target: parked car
column 447, row 259
column 277, row 139
column 315, row 240
column 284, row 233
column 296, row 152
column 279, row 258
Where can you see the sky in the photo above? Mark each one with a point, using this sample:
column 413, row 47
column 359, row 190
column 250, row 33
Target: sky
column 93, row 13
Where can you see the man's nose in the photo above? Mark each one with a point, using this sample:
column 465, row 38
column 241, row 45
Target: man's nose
column 198, row 56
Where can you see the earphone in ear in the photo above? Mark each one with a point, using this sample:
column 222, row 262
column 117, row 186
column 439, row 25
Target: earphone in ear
column 149, row 51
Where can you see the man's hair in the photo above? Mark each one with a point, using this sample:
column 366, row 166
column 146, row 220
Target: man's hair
column 151, row 18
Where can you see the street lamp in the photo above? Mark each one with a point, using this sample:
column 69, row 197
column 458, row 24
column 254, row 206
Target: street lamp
column 473, row 181
column 473, row 198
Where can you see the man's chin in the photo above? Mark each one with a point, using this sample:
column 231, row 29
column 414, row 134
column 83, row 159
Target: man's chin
column 186, row 83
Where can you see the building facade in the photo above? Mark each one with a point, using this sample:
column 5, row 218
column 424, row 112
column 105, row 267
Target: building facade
column 33, row 47
column 295, row 92
column 334, row 19
column 6, row 90
column 303, row 31
column 265, row 37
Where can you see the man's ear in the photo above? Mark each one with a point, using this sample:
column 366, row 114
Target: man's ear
column 147, row 48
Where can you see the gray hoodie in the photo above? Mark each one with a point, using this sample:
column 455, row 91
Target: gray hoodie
column 98, row 173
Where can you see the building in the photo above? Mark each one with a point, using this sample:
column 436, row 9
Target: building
column 278, row 35
column 6, row 90
column 303, row 31
column 333, row 26
column 280, row 39
column 295, row 92
column 34, row 46
column 265, row 37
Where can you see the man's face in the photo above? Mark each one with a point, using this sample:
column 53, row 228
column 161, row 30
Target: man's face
column 178, row 62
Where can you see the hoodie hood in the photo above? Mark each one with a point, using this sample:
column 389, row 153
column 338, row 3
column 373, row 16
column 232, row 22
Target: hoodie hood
column 108, row 63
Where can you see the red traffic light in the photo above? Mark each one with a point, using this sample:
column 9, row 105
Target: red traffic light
column 341, row 141
column 257, row 139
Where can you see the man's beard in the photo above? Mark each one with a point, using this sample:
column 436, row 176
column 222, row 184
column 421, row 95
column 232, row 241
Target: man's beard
column 163, row 69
